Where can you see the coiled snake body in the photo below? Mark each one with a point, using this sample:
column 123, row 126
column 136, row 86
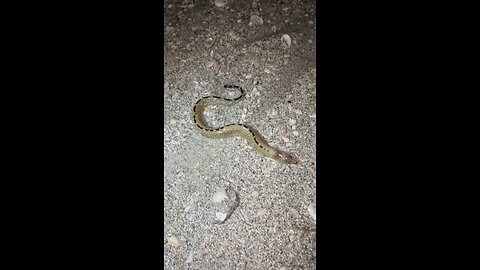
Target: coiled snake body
column 248, row 133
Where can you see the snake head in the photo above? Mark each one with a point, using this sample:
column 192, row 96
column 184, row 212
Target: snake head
column 285, row 157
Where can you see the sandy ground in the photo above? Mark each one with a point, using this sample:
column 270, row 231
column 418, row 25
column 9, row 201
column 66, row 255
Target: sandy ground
column 206, row 47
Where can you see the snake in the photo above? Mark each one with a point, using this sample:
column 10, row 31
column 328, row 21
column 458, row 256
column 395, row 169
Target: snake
column 252, row 136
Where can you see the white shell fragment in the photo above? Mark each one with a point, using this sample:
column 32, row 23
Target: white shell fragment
column 220, row 3
column 220, row 216
column 219, row 196
column 312, row 210
column 225, row 201
column 174, row 241
column 286, row 40
column 255, row 20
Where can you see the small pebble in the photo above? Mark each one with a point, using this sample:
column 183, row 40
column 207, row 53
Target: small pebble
column 297, row 111
column 261, row 212
column 285, row 139
column 190, row 257
column 210, row 64
column 295, row 133
column 255, row 193
column 209, row 42
column 286, row 40
column 267, row 70
column 174, row 241
column 312, row 210
column 292, row 121
column 294, row 127
column 220, row 3
column 255, row 20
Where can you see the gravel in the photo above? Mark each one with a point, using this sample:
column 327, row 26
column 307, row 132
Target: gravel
column 206, row 47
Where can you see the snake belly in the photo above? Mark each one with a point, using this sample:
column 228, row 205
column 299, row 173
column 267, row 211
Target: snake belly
column 248, row 133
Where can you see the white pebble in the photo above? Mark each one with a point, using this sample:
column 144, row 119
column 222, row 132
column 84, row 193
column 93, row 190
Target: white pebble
column 220, row 3
column 292, row 121
column 190, row 256
column 220, row 216
column 255, row 91
column 286, row 40
column 312, row 210
column 295, row 133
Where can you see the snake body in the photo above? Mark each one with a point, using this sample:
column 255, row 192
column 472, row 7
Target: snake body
column 248, row 133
